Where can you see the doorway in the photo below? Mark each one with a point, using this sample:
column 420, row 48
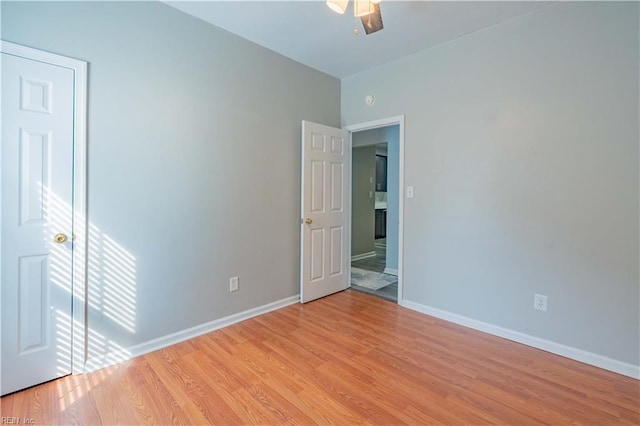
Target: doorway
column 43, row 236
column 376, row 213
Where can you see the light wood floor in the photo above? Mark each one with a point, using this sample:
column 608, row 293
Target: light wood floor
column 349, row 358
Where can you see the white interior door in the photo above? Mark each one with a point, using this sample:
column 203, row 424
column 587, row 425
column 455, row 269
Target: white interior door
column 37, row 197
column 326, row 216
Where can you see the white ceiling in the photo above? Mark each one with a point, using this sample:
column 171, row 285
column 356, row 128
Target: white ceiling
column 310, row 33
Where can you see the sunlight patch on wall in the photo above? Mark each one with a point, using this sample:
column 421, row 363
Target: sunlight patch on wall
column 111, row 287
column 104, row 352
column 112, row 279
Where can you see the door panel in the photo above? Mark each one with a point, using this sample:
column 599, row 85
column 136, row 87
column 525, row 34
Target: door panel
column 337, row 187
column 326, row 219
column 337, row 243
column 33, row 296
column 34, row 164
column 317, row 186
column 37, row 194
column 317, row 255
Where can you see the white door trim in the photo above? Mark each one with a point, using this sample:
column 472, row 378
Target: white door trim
column 391, row 121
column 79, row 266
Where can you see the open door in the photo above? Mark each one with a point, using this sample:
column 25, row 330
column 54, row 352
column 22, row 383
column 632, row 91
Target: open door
column 326, row 215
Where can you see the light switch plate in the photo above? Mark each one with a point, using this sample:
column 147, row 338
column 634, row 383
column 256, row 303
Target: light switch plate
column 409, row 191
column 233, row 284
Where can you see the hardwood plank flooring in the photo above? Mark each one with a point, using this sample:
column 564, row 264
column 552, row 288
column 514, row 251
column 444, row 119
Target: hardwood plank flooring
column 346, row 359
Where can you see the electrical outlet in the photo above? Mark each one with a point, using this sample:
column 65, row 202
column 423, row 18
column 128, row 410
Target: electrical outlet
column 540, row 302
column 233, row 284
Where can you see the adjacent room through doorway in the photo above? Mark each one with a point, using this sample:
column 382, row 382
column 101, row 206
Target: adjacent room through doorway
column 375, row 211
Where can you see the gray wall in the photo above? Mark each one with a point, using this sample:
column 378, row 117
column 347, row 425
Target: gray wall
column 194, row 162
column 362, row 206
column 522, row 145
column 391, row 136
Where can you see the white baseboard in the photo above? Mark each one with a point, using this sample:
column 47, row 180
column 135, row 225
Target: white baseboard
column 120, row 355
column 590, row 358
column 363, row 256
column 390, row 271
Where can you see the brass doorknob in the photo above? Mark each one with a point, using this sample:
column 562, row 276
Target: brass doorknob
column 308, row 220
column 60, row 238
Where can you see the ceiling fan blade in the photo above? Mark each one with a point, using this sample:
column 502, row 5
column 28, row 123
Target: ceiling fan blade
column 373, row 21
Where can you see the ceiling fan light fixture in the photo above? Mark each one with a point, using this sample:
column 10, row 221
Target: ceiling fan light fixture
column 362, row 7
column 338, row 6
column 373, row 22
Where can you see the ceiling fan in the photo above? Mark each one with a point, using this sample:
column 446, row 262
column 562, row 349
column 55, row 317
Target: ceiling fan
column 367, row 10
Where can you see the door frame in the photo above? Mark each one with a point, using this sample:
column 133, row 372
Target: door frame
column 386, row 122
column 79, row 209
